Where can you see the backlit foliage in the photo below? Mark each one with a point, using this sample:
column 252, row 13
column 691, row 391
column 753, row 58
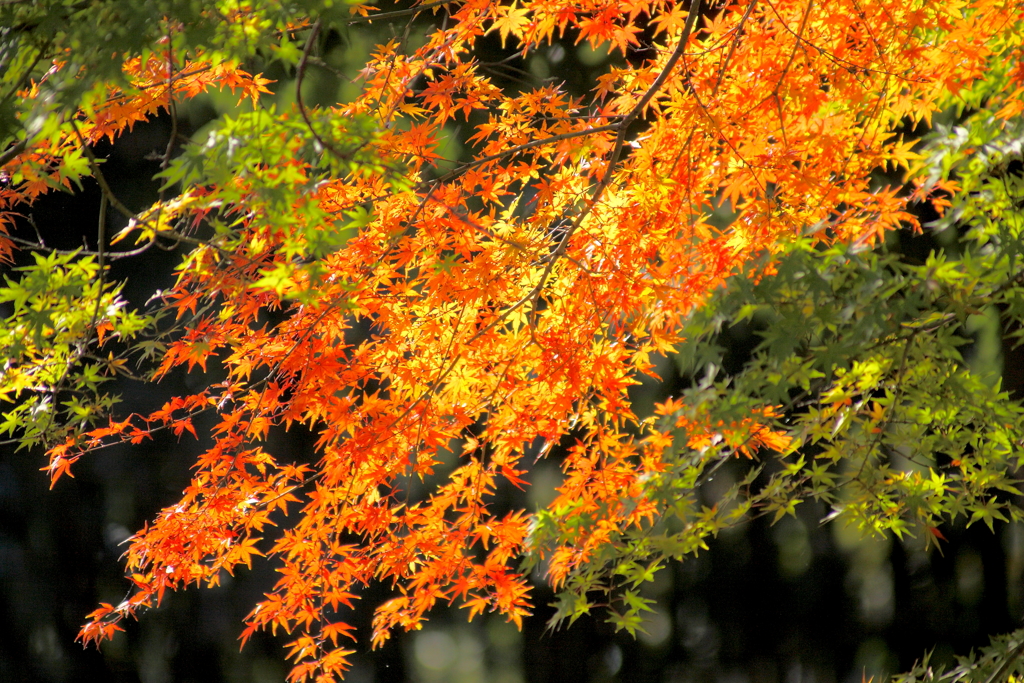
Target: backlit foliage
column 512, row 295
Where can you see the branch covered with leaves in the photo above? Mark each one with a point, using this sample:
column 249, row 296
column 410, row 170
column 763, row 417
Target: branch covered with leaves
column 515, row 293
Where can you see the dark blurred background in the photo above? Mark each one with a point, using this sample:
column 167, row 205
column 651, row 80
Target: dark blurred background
column 792, row 603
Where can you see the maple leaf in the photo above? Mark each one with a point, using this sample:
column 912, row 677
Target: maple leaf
column 336, row 629
column 510, row 21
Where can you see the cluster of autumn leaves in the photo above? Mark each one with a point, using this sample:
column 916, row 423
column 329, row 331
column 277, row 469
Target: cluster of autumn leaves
column 512, row 296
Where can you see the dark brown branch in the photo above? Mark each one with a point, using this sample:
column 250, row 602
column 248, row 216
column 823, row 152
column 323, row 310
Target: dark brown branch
column 13, row 151
column 455, row 173
column 398, row 13
column 620, row 139
column 300, row 74
column 999, row 674
column 732, row 47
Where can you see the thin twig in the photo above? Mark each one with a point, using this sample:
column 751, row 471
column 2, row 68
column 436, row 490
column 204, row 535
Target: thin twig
column 110, row 256
column 998, row 674
column 101, row 240
column 398, row 13
column 620, row 139
column 453, row 174
column 732, row 47
column 13, row 151
column 300, row 75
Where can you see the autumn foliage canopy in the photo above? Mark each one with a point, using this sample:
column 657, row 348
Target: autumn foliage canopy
column 511, row 295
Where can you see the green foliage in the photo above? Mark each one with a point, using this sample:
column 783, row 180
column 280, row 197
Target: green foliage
column 999, row 661
column 52, row 342
column 268, row 167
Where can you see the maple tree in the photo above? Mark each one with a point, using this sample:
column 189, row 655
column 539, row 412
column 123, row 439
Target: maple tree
column 515, row 293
